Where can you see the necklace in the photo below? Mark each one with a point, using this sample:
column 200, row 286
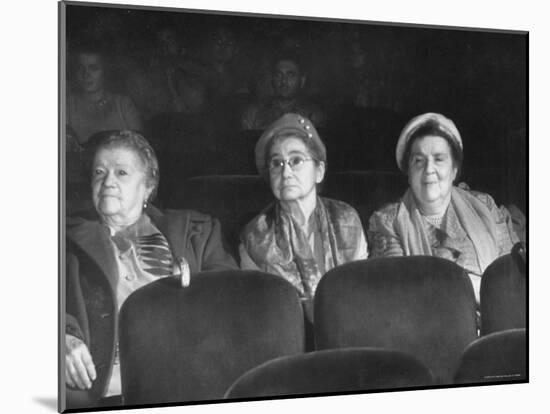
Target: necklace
column 99, row 105
column 435, row 220
column 95, row 106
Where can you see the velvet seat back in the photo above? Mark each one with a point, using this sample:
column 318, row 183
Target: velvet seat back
column 332, row 371
column 236, row 199
column 232, row 199
column 190, row 344
column 503, row 296
column 421, row 305
column 500, row 356
column 366, row 191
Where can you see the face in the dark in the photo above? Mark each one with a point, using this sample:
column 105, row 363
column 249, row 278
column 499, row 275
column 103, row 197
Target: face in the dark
column 287, row 79
column 223, row 46
column 168, row 42
column 89, row 72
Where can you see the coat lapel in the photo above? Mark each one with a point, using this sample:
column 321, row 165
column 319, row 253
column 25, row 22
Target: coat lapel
column 93, row 238
column 175, row 227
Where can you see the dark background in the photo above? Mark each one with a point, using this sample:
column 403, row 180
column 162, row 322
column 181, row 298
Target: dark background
column 476, row 78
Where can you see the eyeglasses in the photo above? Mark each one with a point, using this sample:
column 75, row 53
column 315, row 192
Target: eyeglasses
column 296, row 162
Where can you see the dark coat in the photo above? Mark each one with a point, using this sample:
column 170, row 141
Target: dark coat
column 91, row 275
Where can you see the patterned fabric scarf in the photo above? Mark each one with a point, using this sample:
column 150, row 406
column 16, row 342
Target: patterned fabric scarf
column 276, row 243
column 152, row 248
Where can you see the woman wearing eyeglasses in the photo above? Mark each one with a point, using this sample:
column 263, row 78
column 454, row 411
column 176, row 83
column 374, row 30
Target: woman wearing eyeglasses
column 300, row 236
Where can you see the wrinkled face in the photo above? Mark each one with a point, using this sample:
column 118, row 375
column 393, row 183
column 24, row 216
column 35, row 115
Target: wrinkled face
column 287, row 80
column 89, row 72
column 297, row 183
column 431, row 170
column 119, row 183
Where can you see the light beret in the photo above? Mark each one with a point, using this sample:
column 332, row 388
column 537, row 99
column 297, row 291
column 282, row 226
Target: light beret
column 288, row 123
column 443, row 123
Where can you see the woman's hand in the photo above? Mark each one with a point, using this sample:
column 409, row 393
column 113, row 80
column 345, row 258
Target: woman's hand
column 79, row 367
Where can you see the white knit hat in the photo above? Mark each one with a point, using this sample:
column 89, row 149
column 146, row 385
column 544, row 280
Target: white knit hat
column 417, row 122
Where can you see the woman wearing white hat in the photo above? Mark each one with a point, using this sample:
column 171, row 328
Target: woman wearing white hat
column 434, row 217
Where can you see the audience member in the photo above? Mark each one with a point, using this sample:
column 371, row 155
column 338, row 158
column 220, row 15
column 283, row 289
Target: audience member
column 434, row 217
column 301, row 235
column 127, row 245
column 288, row 81
column 90, row 106
column 221, row 68
column 168, row 83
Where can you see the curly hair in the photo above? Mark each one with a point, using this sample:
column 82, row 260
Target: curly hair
column 131, row 140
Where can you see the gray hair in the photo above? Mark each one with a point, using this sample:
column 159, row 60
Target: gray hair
column 130, row 140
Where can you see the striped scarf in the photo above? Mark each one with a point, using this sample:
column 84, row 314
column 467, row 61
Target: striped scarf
column 152, row 248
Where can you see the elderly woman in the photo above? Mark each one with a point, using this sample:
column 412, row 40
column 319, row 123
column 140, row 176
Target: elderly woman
column 434, row 217
column 126, row 246
column 301, row 235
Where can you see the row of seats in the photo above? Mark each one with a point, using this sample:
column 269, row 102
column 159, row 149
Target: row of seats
column 397, row 322
column 494, row 358
column 235, row 199
column 355, row 139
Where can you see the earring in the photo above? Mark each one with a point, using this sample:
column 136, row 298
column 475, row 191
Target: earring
column 144, row 204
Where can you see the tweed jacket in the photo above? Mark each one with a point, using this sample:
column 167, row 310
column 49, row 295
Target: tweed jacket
column 91, row 274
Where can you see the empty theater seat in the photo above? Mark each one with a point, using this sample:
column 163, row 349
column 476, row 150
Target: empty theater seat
column 421, row 305
column 332, row 371
column 236, row 199
column 190, row 344
column 362, row 138
column 232, row 199
column 366, row 191
column 500, row 356
column 503, row 295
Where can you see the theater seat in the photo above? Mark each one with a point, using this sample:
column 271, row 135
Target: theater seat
column 236, row 199
column 360, row 138
column 500, row 356
column 79, row 399
column 421, row 305
column 190, row 344
column 332, row 371
column 503, row 295
column 232, row 199
column 366, row 191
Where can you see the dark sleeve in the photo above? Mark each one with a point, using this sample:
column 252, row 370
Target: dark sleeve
column 215, row 256
column 75, row 312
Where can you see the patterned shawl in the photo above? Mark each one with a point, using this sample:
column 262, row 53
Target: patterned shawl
column 473, row 215
column 276, row 243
